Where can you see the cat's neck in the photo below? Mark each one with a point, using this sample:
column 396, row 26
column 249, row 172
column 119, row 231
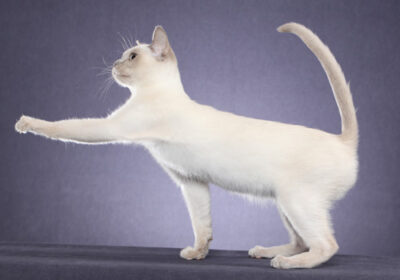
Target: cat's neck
column 155, row 96
column 167, row 87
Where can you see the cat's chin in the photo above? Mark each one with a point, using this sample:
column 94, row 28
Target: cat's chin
column 119, row 82
column 121, row 79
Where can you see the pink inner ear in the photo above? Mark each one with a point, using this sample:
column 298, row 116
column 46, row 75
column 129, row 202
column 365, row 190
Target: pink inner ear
column 160, row 43
column 157, row 49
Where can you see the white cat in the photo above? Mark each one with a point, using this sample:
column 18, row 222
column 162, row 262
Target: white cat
column 303, row 169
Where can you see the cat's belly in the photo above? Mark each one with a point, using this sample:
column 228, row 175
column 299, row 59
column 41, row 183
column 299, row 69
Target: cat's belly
column 237, row 177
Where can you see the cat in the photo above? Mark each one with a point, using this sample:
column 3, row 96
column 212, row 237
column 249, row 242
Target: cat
column 304, row 170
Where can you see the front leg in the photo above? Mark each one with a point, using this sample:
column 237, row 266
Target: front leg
column 197, row 198
column 88, row 131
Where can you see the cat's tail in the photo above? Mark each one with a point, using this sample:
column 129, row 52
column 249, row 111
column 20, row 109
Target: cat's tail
column 341, row 89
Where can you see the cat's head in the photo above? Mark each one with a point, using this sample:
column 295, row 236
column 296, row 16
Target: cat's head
column 146, row 64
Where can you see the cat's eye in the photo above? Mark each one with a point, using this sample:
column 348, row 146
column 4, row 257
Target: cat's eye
column 132, row 56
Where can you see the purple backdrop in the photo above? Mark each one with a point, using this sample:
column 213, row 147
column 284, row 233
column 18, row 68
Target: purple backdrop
column 230, row 57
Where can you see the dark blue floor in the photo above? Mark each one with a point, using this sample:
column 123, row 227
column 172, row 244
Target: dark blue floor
column 58, row 262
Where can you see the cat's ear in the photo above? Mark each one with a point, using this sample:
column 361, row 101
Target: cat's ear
column 160, row 45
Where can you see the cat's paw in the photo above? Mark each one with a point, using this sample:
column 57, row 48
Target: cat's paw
column 286, row 250
column 281, row 262
column 24, row 124
column 257, row 252
column 190, row 253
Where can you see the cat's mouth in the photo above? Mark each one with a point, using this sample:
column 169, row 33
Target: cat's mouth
column 118, row 74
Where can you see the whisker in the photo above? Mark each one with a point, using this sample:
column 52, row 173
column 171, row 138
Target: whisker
column 104, row 70
column 105, row 63
column 129, row 41
column 124, row 44
column 105, row 88
column 121, row 41
column 135, row 35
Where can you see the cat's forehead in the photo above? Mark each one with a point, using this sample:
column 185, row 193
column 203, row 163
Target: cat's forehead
column 141, row 48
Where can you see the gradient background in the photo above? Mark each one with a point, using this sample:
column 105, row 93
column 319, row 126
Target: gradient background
column 230, row 57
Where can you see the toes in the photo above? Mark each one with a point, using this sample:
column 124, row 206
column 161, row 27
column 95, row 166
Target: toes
column 259, row 252
column 256, row 252
column 190, row 253
column 280, row 262
column 22, row 126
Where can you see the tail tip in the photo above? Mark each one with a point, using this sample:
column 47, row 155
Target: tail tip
column 287, row 27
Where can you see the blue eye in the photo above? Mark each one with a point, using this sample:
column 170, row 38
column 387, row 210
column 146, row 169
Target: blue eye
column 132, row 56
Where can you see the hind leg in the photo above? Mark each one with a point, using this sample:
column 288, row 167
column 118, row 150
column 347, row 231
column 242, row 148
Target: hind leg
column 310, row 219
column 295, row 246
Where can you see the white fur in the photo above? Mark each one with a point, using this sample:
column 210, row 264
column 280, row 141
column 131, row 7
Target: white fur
column 303, row 169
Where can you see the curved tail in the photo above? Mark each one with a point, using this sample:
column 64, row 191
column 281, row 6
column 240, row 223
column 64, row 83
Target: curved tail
column 341, row 89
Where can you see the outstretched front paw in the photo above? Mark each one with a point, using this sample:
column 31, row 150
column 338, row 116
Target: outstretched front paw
column 24, row 124
column 190, row 253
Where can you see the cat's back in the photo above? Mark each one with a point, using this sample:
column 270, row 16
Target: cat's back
column 204, row 140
